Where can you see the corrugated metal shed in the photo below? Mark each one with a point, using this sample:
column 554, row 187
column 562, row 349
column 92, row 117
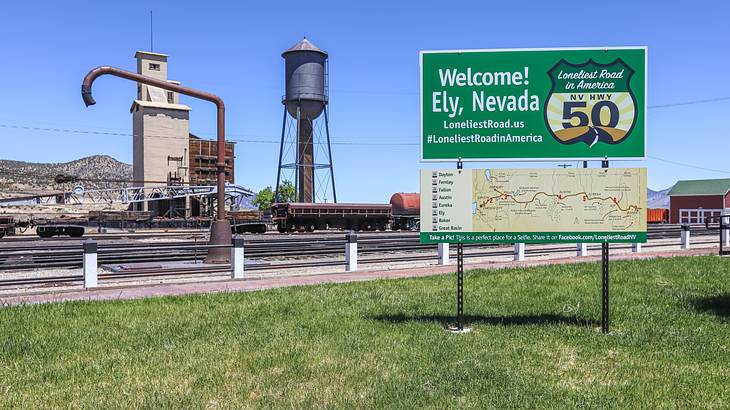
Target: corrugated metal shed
column 701, row 187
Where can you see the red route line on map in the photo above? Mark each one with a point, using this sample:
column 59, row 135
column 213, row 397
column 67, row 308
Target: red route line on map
column 561, row 197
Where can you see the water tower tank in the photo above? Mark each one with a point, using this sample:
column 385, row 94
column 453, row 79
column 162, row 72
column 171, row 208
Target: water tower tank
column 306, row 82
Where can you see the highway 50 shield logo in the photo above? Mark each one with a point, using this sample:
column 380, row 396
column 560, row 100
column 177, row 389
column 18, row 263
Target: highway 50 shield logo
column 590, row 102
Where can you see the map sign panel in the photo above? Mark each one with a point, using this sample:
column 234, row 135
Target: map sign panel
column 533, row 104
column 533, row 205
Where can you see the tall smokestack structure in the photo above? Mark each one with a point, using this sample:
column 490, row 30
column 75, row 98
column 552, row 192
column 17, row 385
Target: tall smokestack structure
column 304, row 102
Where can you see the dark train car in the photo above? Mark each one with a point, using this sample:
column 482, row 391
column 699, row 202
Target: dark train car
column 301, row 217
column 406, row 211
column 7, row 226
column 63, row 226
column 248, row 221
column 50, row 230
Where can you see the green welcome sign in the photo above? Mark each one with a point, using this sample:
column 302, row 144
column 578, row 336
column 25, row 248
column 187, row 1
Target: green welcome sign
column 533, row 104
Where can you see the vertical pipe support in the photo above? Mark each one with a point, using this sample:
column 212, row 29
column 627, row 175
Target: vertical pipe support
column 350, row 252
column 636, row 247
column 685, row 237
column 90, row 264
column 520, row 251
column 443, row 250
column 237, row 260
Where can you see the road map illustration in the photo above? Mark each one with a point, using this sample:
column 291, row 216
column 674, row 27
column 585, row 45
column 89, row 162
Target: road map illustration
column 533, row 205
column 586, row 200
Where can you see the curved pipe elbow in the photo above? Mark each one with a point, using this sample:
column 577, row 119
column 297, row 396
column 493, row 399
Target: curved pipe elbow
column 86, row 95
column 86, row 84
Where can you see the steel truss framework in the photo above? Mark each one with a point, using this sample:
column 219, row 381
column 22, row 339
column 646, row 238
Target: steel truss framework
column 234, row 193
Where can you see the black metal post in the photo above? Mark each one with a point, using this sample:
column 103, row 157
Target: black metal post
column 722, row 232
column 604, row 270
column 723, row 225
column 604, row 277
column 460, row 275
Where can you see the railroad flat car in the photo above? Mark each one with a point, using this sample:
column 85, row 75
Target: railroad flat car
column 248, row 221
column 48, row 231
column 306, row 217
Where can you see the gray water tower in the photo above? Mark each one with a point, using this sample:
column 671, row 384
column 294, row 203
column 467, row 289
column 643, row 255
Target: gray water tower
column 305, row 100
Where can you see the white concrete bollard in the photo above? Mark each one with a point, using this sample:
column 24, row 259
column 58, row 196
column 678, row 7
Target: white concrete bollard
column 443, row 254
column 519, row 251
column 351, row 252
column 636, row 247
column 90, row 264
column 582, row 249
column 237, row 260
column 685, row 241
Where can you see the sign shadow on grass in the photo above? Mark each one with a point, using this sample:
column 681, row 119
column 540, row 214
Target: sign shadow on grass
column 512, row 320
column 718, row 305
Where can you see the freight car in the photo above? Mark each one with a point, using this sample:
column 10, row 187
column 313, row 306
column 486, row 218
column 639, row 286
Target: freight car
column 7, row 226
column 301, row 217
column 248, row 221
column 406, row 211
column 402, row 213
column 657, row 215
column 62, row 229
column 74, row 227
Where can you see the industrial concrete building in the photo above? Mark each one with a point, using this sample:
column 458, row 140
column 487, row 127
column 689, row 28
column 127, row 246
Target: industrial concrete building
column 693, row 201
column 165, row 153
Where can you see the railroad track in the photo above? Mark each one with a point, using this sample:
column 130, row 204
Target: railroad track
column 224, row 269
column 273, row 247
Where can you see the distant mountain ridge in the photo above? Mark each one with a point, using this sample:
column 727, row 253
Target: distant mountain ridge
column 96, row 171
column 657, row 199
column 100, row 171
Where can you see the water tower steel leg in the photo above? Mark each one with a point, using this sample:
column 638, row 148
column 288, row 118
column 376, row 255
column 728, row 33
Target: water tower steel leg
column 329, row 152
column 281, row 153
column 309, row 165
column 297, row 165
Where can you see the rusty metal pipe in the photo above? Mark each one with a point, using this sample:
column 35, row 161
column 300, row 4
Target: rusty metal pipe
column 220, row 231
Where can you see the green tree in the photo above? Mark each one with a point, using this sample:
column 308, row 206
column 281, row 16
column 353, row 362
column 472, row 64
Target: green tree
column 265, row 197
column 287, row 192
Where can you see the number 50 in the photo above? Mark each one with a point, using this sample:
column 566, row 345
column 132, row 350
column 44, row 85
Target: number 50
column 595, row 120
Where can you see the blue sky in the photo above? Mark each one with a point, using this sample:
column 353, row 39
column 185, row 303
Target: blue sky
column 234, row 50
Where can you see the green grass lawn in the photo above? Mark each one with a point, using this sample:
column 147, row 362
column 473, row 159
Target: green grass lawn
column 535, row 343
